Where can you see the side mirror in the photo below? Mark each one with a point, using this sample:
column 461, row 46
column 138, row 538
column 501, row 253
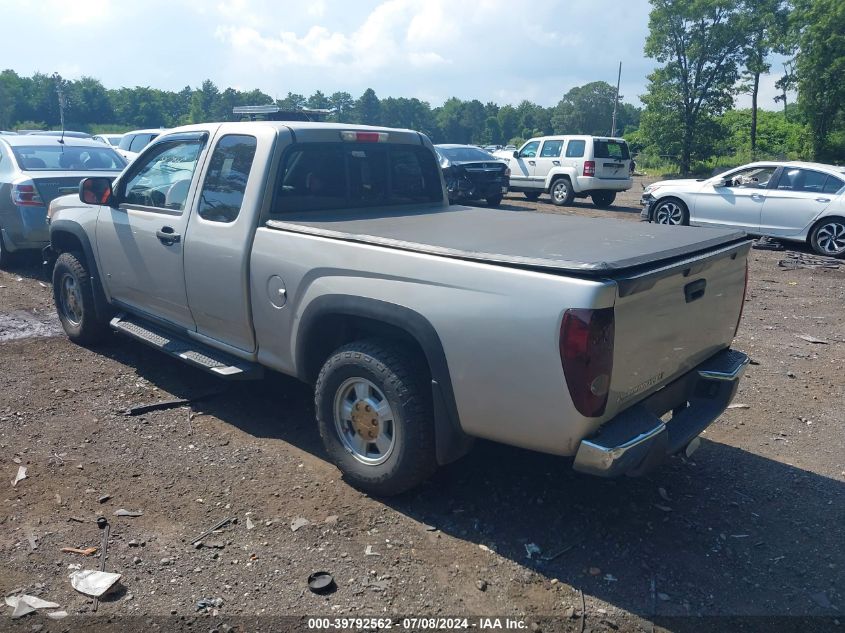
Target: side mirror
column 721, row 182
column 515, row 154
column 95, row 190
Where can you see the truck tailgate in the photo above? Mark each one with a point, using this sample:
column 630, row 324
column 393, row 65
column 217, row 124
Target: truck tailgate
column 670, row 319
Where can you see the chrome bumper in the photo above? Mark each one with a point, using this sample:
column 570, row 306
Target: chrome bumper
column 637, row 440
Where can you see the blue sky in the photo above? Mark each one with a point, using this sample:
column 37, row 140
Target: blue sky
column 492, row 50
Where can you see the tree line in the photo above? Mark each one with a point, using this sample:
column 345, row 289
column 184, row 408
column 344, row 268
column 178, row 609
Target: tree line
column 709, row 51
column 33, row 102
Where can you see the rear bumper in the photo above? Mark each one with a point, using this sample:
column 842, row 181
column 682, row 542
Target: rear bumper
column 637, row 440
column 593, row 183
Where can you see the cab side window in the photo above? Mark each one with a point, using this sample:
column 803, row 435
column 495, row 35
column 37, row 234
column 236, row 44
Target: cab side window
column 575, row 149
column 551, row 149
column 164, row 178
column 529, row 150
column 225, row 182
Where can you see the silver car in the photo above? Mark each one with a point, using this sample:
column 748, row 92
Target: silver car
column 802, row 202
column 33, row 171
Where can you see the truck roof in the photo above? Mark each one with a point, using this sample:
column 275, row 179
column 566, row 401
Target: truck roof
column 309, row 131
column 585, row 246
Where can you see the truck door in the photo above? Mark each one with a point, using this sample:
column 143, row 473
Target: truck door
column 140, row 243
column 217, row 255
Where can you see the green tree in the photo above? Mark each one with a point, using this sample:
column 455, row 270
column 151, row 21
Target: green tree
column 508, row 121
column 204, row 103
column 820, row 67
column 700, row 43
column 765, row 22
column 368, row 108
column 585, row 109
column 11, row 96
column 342, row 104
column 318, row 101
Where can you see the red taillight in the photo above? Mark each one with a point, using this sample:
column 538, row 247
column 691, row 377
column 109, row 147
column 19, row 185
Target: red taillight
column 742, row 305
column 364, row 137
column 589, row 168
column 24, row 194
column 586, row 353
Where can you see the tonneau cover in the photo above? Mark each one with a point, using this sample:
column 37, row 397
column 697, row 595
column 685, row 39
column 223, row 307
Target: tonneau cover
column 587, row 246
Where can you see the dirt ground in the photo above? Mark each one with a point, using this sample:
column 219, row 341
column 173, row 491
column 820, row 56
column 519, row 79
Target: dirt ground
column 748, row 534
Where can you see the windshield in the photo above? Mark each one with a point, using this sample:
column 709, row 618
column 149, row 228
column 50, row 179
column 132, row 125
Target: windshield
column 461, row 154
column 62, row 158
column 611, row 149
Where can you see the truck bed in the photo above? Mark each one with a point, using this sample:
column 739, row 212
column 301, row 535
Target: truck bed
column 558, row 243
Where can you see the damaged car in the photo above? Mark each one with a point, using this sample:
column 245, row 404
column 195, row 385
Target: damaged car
column 473, row 174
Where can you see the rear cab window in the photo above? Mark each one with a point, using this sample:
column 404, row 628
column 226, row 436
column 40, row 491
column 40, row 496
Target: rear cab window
column 67, row 158
column 318, row 176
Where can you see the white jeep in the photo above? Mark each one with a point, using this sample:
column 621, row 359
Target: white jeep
column 569, row 167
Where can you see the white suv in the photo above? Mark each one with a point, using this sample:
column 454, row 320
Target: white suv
column 569, row 167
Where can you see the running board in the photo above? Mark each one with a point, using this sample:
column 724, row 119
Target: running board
column 187, row 350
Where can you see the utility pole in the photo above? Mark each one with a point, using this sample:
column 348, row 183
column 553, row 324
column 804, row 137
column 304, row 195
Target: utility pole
column 616, row 101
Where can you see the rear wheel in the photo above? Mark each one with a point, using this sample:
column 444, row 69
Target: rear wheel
column 74, row 298
column 533, row 196
column 375, row 416
column 828, row 237
column 561, row 192
column 603, row 199
column 671, row 211
column 494, row 201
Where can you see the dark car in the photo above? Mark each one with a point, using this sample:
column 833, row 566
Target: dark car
column 36, row 169
column 473, row 174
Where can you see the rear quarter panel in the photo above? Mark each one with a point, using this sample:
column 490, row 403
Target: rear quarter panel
column 498, row 326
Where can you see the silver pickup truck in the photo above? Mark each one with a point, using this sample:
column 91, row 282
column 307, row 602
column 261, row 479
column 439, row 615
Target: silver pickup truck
column 330, row 253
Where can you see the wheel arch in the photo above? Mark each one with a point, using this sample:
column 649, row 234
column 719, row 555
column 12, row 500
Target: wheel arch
column 334, row 320
column 66, row 236
column 569, row 174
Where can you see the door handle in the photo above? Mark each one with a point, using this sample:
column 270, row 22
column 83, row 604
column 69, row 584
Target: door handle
column 822, row 199
column 756, row 196
column 531, row 162
column 167, row 237
column 556, row 163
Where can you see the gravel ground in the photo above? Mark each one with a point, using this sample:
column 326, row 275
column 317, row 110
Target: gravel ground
column 752, row 526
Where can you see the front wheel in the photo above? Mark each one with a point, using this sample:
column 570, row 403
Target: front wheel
column 672, row 212
column 375, row 416
column 603, row 199
column 494, row 201
column 828, row 238
column 74, row 298
column 562, row 192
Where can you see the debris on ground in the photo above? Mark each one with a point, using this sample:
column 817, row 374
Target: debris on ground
column 104, row 498
column 594, row 571
column 216, row 527
column 298, row 522
column 141, row 409
column 663, row 596
column 128, row 513
column 557, row 554
column 209, row 603
column 24, row 604
column 532, row 549
column 249, row 524
column 739, row 405
column 766, row 243
column 812, row 339
column 481, row 585
column 321, row 582
column 88, row 551
column 57, row 615
column 800, row 260
column 663, row 494
column 370, row 552
column 20, row 476
column 92, row 582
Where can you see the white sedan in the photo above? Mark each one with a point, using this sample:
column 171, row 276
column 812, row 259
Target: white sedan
column 803, row 202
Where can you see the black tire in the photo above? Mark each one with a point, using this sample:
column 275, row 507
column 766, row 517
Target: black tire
column 494, row 201
column 670, row 211
column 402, row 380
column 561, row 192
column 76, row 310
column 533, row 196
column 828, row 237
column 603, row 199
column 6, row 257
